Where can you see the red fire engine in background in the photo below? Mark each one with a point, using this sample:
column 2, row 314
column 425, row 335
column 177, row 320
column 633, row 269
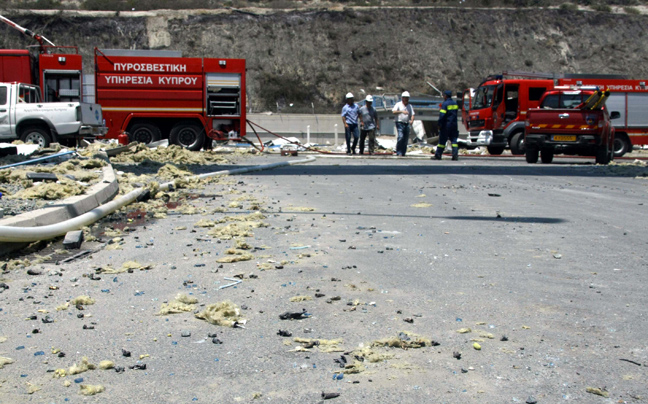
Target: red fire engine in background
column 150, row 95
column 496, row 114
column 56, row 69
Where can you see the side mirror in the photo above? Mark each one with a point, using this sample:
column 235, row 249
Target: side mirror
column 615, row 115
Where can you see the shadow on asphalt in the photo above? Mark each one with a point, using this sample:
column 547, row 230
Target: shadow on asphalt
column 539, row 170
column 515, row 219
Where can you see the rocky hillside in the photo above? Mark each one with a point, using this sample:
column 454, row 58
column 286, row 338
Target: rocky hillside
column 316, row 56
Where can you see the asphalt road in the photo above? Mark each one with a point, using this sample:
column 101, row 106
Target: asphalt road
column 552, row 257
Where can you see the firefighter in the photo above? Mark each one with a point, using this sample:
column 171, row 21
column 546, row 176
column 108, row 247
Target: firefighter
column 448, row 127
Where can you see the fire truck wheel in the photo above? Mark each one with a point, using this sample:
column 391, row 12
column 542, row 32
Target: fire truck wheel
column 603, row 155
column 531, row 154
column 517, row 143
column 621, row 146
column 188, row 135
column 144, row 133
column 546, row 155
column 36, row 135
column 495, row 150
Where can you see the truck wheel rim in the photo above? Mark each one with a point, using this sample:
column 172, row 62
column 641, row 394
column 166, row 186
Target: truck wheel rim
column 36, row 138
column 187, row 137
column 143, row 136
column 618, row 145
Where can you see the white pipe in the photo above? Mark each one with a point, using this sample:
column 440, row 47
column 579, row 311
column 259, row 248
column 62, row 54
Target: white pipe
column 30, row 234
column 308, row 134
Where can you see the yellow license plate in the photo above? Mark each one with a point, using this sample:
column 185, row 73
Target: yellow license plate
column 564, row 138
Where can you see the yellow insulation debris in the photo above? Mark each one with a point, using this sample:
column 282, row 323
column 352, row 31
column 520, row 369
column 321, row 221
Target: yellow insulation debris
column 236, row 256
column 65, row 188
column 84, row 366
column 91, row 389
column 225, row 314
column 295, row 299
column 82, row 300
column 5, row 361
column 107, row 364
column 412, row 341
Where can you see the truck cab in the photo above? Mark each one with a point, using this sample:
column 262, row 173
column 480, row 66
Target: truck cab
column 498, row 111
column 24, row 116
column 570, row 121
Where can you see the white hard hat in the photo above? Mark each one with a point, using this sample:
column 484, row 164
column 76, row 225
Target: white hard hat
column 405, row 94
column 369, row 98
column 349, row 95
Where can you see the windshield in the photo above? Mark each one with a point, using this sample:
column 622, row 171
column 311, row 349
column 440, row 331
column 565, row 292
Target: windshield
column 483, row 97
column 567, row 101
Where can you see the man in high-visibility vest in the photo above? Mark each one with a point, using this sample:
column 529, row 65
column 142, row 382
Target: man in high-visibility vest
column 448, row 127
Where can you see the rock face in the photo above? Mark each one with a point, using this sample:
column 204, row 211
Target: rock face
column 313, row 58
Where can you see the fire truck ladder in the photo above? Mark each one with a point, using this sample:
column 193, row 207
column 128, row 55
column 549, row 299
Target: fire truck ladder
column 41, row 39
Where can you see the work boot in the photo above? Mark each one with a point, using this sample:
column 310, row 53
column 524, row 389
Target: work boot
column 436, row 157
column 455, row 153
column 455, row 158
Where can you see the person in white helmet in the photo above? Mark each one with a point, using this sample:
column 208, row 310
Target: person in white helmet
column 350, row 120
column 368, row 125
column 404, row 118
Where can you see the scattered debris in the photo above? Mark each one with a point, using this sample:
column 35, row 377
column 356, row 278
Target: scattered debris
column 597, row 391
column 5, row 361
column 32, row 388
column 464, row 330
column 225, row 314
column 181, row 304
column 476, row 346
column 295, row 299
column 422, row 205
column 84, row 366
column 284, row 333
column 405, row 340
column 296, row 315
column 91, row 389
column 106, row 364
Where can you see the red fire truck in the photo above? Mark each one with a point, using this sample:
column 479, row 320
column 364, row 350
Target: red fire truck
column 496, row 114
column 630, row 99
column 56, row 69
column 151, row 95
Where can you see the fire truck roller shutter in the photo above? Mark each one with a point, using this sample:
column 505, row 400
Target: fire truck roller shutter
column 188, row 134
column 617, row 102
column 144, row 132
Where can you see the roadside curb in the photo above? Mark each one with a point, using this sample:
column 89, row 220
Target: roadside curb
column 66, row 209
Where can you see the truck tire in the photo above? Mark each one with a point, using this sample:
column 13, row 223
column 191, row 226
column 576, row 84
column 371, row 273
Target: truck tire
column 517, row 143
column 36, row 135
column 188, row 135
column 621, row 146
column 495, row 150
column 144, row 133
column 603, row 155
column 531, row 154
column 547, row 155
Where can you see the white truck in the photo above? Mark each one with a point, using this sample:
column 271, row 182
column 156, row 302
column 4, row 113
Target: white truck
column 24, row 116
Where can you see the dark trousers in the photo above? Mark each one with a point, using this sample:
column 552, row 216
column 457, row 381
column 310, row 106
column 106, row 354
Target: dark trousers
column 403, row 130
column 370, row 135
column 444, row 136
column 352, row 129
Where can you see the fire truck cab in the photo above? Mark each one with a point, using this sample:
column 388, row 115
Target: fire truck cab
column 498, row 111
